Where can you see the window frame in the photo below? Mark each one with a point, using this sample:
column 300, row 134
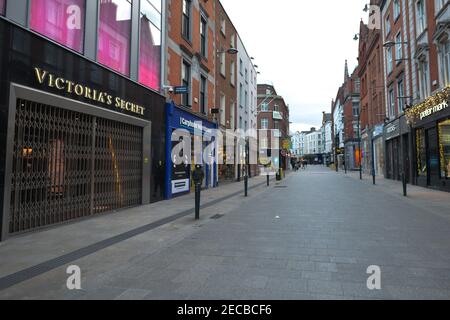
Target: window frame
column 186, row 20
column 186, row 98
column 203, row 94
column 204, row 36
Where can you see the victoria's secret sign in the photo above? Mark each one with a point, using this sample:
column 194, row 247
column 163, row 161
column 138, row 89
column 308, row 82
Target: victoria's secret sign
column 70, row 87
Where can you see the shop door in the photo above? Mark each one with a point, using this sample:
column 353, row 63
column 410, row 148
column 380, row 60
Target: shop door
column 389, row 160
column 432, row 157
column 68, row 165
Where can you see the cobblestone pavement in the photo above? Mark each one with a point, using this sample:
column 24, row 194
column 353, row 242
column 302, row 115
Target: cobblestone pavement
column 312, row 236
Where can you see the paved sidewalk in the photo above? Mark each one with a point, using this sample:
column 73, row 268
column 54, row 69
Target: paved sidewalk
column 28, row 250
column 424, row 198
column 311, row 236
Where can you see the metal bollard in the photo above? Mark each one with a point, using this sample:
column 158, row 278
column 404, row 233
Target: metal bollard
column 405, row 191
column 198, row 189
column 246, row 185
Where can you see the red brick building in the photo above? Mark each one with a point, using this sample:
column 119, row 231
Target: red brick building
column 191, row 53
column 373, row 110
column 226, row 89
column 273, row 114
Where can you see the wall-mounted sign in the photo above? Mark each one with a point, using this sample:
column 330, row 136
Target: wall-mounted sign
column 392, row 130
column 181, row 90
column 277, row 115
column 52, row 81
column 432, row 110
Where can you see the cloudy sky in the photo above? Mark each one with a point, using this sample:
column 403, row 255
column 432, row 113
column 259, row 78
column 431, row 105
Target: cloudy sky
column 300, row 46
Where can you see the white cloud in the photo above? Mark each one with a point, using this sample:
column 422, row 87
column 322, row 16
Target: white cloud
column 301, row 47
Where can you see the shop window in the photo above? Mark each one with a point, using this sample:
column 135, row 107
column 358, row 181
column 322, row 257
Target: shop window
column 114, row 35
column 444, row 148
column 59, row 20
column 2, row 7
column 421, row 153
column 150, row 45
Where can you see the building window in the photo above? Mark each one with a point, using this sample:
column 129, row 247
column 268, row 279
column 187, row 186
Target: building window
column 203, row 99
column 424, row 78
column 264, row 107
column 59, row 20
column 276, row 125
column 396, row 9
column 389, row 60
column 246, row 75
column 439, row 4
column 232, row 72
column 203, row 36
column 398, row 48
column 222, row 63
column 421, row 17
column 444, row 62
column 186, row 81
column 222, row 109
column 246, row 101
column 241, row 67
column 232, row 41
column 150, row 44
column 391, row 103
column 223, row 27
column 355, row 108
column 241, row 95
column 388, row 25
column 2, row 7
column 400, row 96
column 186, row 23
column 114, row 35
column 421, row 152
column 264, row 123
column 444, row 148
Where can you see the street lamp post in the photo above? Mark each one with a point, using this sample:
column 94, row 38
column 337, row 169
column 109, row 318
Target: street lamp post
column 390, row 44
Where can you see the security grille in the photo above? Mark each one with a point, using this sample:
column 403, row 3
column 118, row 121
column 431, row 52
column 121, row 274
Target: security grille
column 68, row 165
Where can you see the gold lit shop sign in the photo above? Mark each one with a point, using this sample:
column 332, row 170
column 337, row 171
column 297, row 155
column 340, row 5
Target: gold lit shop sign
column 70, row 87
column 434, row 104
column 430, row 111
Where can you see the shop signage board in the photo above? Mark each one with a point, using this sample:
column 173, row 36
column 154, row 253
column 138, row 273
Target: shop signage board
column 392, row 130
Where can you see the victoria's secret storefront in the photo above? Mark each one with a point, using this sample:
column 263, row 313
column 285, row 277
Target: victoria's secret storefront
column 431, row 123
column 75, row 138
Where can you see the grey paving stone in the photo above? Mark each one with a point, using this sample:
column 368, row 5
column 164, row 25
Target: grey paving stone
column 325, row 287
column 133, row 294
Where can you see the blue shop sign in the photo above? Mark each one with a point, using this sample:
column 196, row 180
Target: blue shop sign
column 178, row 177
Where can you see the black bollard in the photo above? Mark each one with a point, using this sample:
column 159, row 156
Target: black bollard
column 198, row 189
column 198, row 177
column 246, row 185
column 268, row 181
column 405, row 191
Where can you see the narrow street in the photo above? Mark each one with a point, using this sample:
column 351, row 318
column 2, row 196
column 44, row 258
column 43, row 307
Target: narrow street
column 312, row 236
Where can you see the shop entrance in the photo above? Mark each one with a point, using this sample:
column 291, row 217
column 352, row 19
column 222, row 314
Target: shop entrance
column 68, row 165
column 433, row 157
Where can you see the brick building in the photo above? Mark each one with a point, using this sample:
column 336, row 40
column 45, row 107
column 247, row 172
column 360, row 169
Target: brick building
column 373, row 110
column 191, row 53
column 273, row 114
column 226, row 84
